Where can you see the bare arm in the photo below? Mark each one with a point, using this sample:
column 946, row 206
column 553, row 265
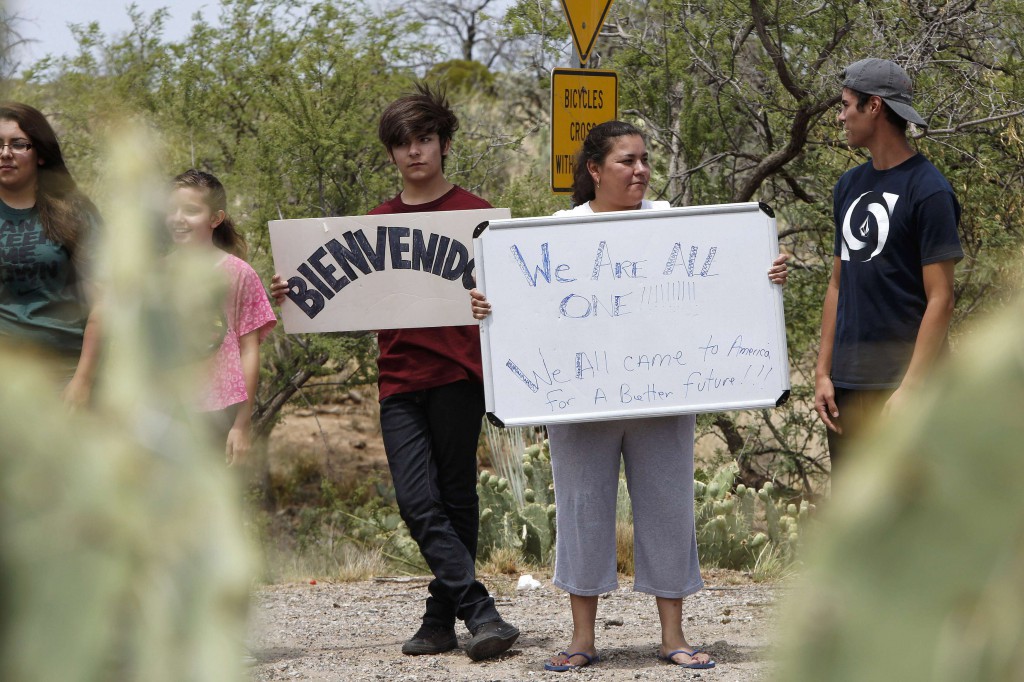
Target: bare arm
column 938, row 290
column 79, row 390
column 239, row 437
column 824, row 391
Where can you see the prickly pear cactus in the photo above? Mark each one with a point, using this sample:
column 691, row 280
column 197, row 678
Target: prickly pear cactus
column 733, row 528
column 730, row 533
column 538, row 532
column 529, row 528
column 537, row 468
column 383, row 528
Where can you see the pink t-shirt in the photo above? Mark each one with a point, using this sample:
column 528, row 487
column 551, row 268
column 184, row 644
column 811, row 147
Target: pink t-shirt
column 246, row 309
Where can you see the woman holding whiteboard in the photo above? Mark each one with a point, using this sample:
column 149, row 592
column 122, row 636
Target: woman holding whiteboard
column 612, row 174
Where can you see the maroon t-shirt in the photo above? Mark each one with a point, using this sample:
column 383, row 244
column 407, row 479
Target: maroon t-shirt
column 418, row 359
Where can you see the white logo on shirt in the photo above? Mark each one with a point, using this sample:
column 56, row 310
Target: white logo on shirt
column 872, row 210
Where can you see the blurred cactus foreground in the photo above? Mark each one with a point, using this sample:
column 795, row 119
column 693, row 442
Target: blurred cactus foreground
column 917, row 569
column 121, row 546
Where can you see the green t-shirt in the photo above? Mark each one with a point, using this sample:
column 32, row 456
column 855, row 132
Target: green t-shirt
column 42, row 298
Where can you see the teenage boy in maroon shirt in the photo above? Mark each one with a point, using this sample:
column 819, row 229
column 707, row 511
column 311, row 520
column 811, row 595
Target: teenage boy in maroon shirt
column 432, row 402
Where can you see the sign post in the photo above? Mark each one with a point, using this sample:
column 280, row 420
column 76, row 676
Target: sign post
column 580, row 99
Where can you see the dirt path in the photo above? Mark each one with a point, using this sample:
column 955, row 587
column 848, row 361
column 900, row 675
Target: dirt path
column 353, row 631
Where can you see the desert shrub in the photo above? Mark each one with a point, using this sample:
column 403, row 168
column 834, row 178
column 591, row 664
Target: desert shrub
column 737, row 527
column 350, row 535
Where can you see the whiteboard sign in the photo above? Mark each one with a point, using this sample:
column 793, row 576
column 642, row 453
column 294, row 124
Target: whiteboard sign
column 631, row 314
column 387, row 271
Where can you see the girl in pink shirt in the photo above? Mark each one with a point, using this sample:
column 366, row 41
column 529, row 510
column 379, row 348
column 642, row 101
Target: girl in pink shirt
column 196, row 217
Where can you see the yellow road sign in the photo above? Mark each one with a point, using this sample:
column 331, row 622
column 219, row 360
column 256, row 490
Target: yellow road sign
column 585, row 19
column 580, row 99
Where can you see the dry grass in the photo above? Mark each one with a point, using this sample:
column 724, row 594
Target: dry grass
column 503, row 560
column 346, row 563
column 624, row 547
column 772, row 566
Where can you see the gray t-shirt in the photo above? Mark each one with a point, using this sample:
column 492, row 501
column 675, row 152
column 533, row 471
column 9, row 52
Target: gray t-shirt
column 42, row 298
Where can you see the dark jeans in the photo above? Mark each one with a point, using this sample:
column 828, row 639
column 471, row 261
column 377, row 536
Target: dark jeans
column 857, row 411
column 430, row 438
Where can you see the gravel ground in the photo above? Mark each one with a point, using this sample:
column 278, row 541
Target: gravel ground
column 354, row 631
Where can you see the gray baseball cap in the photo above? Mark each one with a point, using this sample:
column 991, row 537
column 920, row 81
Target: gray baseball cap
column 886, row 79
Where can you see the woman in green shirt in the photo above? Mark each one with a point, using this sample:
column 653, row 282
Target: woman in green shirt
column 45, row 224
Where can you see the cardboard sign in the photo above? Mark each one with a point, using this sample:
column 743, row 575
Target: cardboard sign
column 390, row 271
column 632, row 313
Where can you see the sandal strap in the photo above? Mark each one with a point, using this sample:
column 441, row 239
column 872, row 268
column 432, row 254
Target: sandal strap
column 691, row 654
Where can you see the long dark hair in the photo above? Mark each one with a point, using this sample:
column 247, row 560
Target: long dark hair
column 226, row 237
column 66, row 214
column 598, row 143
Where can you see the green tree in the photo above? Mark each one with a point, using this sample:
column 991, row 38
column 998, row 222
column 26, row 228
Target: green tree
column 737, row 100
column 281, row 97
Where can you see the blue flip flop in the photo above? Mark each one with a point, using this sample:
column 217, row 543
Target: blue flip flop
column 691, row 654
column 568, row 666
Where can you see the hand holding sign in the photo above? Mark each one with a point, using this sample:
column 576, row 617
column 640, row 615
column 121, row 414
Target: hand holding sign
column 376, row 272
column 631, row 314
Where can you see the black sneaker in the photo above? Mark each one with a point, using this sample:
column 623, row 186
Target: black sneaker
column 491, row 639
column 431, row 639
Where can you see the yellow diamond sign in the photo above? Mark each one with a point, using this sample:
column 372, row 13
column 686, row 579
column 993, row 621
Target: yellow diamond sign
column 585, row 20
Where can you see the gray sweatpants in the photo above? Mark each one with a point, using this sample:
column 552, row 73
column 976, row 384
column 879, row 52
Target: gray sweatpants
column 658, row 456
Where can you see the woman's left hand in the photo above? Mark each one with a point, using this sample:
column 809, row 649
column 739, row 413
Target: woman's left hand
column 778, row 272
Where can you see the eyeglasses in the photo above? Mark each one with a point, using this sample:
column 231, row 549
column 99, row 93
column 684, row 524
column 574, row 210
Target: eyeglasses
column 17, row 147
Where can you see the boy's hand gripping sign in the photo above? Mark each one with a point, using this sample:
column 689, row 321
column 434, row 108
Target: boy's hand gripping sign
column 388, row 271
